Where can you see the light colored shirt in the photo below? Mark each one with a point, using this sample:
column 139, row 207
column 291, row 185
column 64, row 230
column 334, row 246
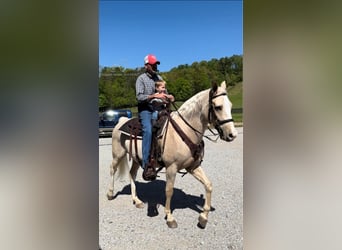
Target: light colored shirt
column 145, row 86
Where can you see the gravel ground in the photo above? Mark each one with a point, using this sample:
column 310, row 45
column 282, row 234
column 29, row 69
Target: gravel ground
column 123, row 226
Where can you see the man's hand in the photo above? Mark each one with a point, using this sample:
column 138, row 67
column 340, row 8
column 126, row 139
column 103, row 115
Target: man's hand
column 165, row 97
column 159, row 95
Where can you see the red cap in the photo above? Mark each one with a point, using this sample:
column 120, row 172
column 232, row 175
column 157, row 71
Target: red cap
column 151, row 59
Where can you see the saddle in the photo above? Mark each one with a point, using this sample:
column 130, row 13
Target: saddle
column 133, row 126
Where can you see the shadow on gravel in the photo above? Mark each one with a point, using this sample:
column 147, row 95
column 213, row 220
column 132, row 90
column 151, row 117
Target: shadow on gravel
column 153, row 193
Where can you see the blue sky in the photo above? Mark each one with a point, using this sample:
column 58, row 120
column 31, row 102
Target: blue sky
column 177, row 32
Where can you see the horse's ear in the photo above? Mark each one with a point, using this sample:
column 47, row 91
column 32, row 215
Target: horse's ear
column 223, row 85
column 214, row 86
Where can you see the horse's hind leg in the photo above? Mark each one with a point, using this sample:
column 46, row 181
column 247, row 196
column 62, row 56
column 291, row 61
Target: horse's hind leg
column 113, row 168
column 133, row 174
column 199, row 174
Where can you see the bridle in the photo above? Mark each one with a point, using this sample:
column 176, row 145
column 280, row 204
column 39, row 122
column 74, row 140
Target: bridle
column 212, row 118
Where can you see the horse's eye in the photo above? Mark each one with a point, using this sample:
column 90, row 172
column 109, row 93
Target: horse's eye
column 218, row 108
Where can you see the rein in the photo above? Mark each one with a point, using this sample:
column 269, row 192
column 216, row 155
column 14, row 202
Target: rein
column 195, row 130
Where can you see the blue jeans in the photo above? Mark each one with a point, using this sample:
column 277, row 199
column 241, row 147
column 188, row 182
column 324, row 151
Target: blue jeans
column 146, row 123
column 155, row 115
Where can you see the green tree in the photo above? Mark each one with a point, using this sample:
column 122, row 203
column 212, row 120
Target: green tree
column 181, row 89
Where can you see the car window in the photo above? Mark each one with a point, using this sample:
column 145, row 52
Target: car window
column 113, row 116
column 109, row 117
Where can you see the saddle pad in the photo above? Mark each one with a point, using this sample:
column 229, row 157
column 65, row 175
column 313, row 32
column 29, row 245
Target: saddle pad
column 132, row 126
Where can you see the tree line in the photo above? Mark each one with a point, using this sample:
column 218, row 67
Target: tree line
column 117, row 84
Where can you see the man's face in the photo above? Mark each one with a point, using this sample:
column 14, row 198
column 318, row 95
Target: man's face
column 151, row 68
column 154, row 67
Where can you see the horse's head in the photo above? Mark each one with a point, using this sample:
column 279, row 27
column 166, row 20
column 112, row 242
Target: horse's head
column 220, row 115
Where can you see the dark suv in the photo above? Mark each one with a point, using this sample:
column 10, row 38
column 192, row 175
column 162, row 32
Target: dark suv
column 109, row 118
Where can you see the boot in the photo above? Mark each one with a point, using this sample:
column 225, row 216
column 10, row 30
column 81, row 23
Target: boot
column 149, row 173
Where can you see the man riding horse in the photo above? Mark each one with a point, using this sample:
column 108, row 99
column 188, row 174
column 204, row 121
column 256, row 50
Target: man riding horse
column 145, row 92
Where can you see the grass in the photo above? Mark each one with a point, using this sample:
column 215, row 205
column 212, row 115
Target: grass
column 235, row 95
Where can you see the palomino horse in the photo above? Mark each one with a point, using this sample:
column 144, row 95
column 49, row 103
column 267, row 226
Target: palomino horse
column 210, row 106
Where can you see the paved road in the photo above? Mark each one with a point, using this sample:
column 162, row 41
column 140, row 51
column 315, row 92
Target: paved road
column 122, row 226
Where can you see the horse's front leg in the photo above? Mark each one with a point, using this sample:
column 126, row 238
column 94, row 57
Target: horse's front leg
column 170, row 182
column 199, row 174
column 133, row 174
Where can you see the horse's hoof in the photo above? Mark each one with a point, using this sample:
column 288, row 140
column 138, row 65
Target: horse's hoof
column 139, row 205
column 110, row 196
column 172, row 224
column 202, row 222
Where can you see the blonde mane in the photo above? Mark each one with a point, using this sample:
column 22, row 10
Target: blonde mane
column 193, row 107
